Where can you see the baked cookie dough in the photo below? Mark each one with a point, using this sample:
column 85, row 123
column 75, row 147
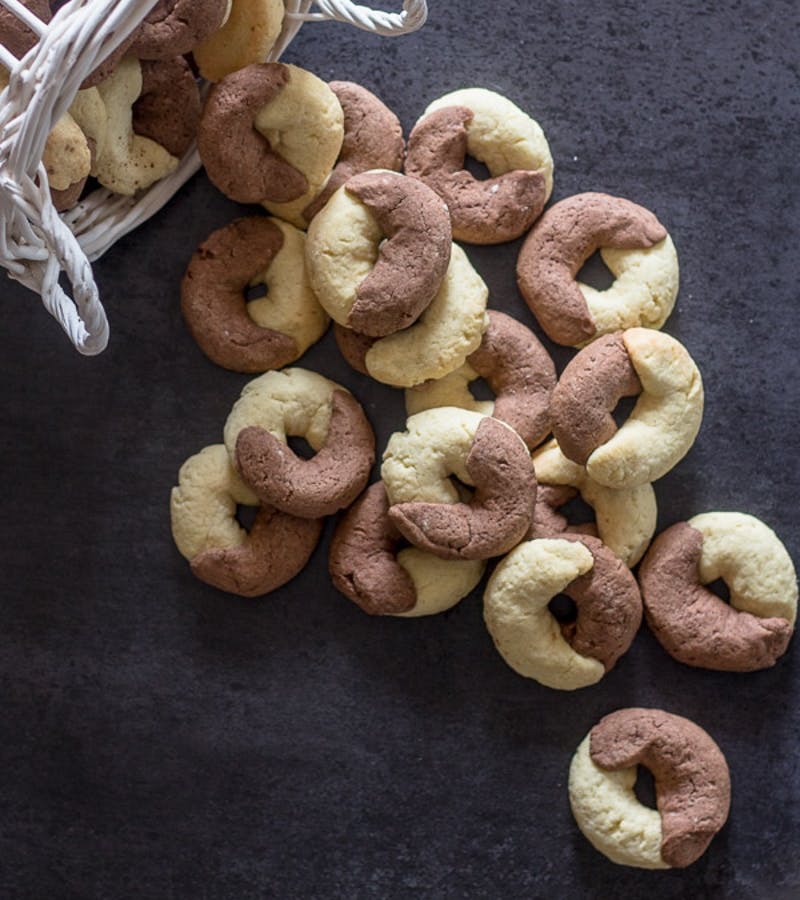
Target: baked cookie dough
column 633, row 244
column 516, row 367
column 271, row 132
column 437, row 343
column 221, row 552
column 663, row 425
column 247, row 36
column 175, row 27
column 692, row 783
column 530, row 639
column 127, row 162
column 168, row 107
column 378, row 252
column 696, row 626
column 367, row 564
column 267, row 333
column 299, row 403
column 490, row 128
column 625, row 518
column 481, row 452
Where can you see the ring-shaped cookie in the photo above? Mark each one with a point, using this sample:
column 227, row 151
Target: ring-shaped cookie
column 625, row 519
column 168, row 107
column 492, row 129
column 249, row 33
column 174, row 27
column 15, row 35
column 516, row 367
column 663, row 424
column 269, row 332
column 692, row 786
column 691, row 622
column 221, row 553
column 481, row 452
column 127, row 162
column 367, row 565
column 633, row 244
column 378, row 252
column 437, row 343
column 566, row 656
column 373, row 139
column 299, row 403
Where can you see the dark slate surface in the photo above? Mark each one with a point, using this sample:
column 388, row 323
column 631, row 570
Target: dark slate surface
column 163, row 740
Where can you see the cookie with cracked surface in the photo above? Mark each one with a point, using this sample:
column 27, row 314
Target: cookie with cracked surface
column 633, row 244
column 492, row 129
column 222, row 553
column 625, row 519
column 378, row 252
column 481, row 452
column 663, row 424
column 516, row 367
column 298, row 403
column 373, row 139
column 440, row 341
column 369, row 564
column 696, row 626
column 572, row 655
column 247, row 36
column 692, row 786
column 266, row 333
column 15, row 35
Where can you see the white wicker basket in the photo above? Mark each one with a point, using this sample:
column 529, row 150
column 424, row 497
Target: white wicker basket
column 36, row 244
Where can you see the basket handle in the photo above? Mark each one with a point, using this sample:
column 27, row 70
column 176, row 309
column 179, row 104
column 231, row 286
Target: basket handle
column 388, row 24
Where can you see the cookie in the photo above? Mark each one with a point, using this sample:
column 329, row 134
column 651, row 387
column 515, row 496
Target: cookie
column 298, row 403
column 516, row 367
column 663, row 425
column 633, row 244
column 373, row 139
column 437, row 343
column 571, row 655
column 366, row 563
column 625, row 519
column 127, row 162
column 692, row 785
column 15, row 35
column 270, row 132
column 267, row 333
column 691, row 622
column 378, row 252
column 174, row 27
column 482, row 453
column 221, row 552
column 248, row 35
column 490, row 128
column 168, row 107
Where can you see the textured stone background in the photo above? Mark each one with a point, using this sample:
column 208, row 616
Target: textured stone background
column 163, row 740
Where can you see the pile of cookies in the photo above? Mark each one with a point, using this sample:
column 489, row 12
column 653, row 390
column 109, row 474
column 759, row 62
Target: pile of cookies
column 352, row 238
column 137, row 113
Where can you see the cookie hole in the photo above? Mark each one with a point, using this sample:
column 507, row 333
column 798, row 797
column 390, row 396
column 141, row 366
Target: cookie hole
column 596, row 273
column 645, row 787
column 465, row 491
column 246, row 515
column 623, row 409
column 720, row 588
column 255, row 292
column 300, row 447
column 480, row 390
column 477, row 169
column 577, row 511
column 563, row 609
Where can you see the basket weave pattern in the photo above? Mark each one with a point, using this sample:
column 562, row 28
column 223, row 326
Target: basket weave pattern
column 36, row 243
